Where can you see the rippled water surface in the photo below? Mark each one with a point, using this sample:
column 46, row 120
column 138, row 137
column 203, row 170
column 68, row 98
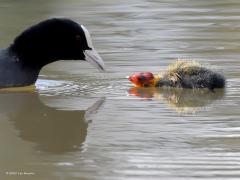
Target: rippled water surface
column 78, row 123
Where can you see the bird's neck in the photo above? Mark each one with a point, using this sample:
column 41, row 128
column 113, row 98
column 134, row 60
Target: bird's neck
column 30, row 56
column 156, row 79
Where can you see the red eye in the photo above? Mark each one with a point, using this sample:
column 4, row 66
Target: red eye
column 78, row 37
column 141, row 78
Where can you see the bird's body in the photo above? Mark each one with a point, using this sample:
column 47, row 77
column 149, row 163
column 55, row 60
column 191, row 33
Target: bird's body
column 13, row 73
column 46, row 42
column 182, row 74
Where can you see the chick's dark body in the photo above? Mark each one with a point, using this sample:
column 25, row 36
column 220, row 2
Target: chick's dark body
column 199, row 77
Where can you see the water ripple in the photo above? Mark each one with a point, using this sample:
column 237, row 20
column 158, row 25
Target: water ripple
column 113, row 87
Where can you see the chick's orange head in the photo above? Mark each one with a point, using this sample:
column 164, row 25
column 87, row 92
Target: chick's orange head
column 143, row 79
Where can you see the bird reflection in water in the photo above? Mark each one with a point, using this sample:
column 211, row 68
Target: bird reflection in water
column 182, row 100
column 50, row 129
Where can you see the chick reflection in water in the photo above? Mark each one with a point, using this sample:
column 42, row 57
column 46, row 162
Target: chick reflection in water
column 182, row 100
column 51, row 130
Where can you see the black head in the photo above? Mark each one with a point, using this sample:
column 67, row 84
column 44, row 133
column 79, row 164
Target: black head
column 55, row 39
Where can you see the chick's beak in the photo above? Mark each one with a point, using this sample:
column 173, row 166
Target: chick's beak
column 94, row 58
column 133, row 78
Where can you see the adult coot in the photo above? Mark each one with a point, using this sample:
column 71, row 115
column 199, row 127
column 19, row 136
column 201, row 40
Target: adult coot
column 46, row 42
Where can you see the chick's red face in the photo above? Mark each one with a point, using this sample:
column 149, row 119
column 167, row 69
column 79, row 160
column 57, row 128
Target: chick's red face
column 143, row 79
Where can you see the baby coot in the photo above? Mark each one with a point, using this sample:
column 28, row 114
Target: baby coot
column 182, row 74
column 46, row 42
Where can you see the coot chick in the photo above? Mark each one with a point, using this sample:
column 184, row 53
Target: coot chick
column 181, row 74
column 46, row 42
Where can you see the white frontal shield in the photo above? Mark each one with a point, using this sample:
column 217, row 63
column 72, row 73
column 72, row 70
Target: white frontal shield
column 92, row 56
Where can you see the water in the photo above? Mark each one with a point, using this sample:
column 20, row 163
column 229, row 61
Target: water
column 78, row 123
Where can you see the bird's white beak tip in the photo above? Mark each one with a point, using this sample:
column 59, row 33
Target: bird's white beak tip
column 95, row 59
